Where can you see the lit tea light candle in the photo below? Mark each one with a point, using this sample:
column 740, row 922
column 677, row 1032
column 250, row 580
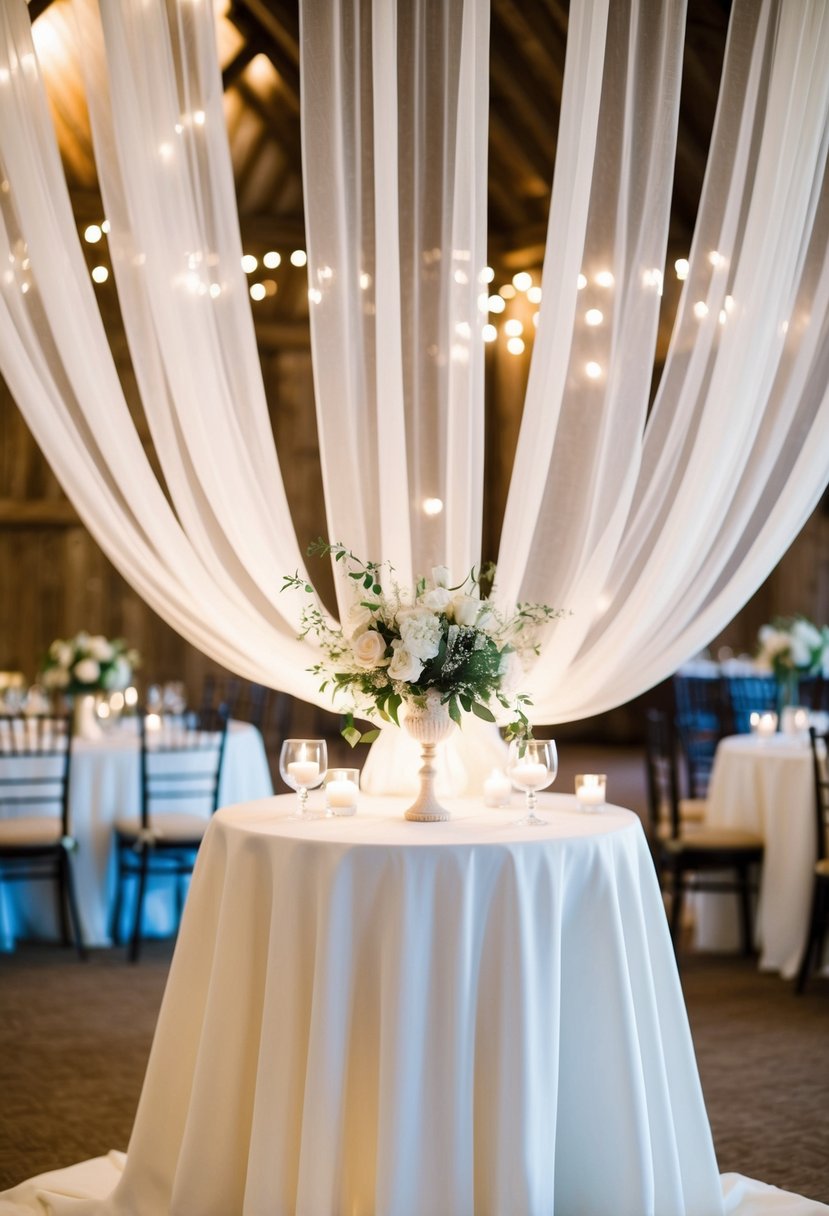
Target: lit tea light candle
column 591, row 789
column 795, row 720
column 497, row 788
column 304, row 772
column 763, row 724
column 531, row 775
column 341, row 792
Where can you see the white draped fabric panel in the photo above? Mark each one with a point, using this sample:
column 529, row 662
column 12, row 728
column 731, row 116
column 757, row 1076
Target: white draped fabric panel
column 198, row 574
column 653, row 534
column 394, row 116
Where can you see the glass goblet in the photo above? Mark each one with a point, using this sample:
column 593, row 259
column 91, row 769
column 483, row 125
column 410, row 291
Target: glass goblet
column 303, row 764
column 532, row 765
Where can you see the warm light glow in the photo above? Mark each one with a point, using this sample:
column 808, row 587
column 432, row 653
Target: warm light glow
column 700, row 309
column 199, row 117
column 93, row 234
column 716, row 259
column 522, row 281
column 682, row 266
column 272, row 259
column 257, row 291
column 536, row 315
column 507, row 291
column 534, row 295
column 314, row 295
column 784, row 328
column 165, row 151
column 249, row 263
column 723, row 316
column 581, row 282
column 215, row 290
column 299, row 257
column 513, row 328
column 460, row 278
column 652, row 278
column 270, row 287
column 593, row 370
column 432, row 506
column 100, row 274
column 130, row 696
column 24, row 287
column 116, row 701
column 496, row 304
column 490, row 333
column 365, row 281
column 515, row 346
column 729, row 303
column 105, row 227
column 605, row 279
column 594, row 316
column 487, row 274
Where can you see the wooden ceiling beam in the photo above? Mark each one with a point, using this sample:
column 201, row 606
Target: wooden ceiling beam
column 238, row 64
column 248, row 20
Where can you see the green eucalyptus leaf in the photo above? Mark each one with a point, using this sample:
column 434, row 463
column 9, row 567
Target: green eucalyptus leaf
column 481, row 711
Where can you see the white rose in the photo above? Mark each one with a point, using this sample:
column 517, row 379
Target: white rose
column 465, row 609
column 87, row 671
column 404, row 666
column 421, row 631
column 437, row 599
column 118, row 676
column 99, row 648
column 368, row 649
column 440, row 576
column 806, row 641
column 773, row 641
column 357, row 620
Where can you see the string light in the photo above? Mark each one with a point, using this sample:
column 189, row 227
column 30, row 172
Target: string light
column 487, row 274
column 100, row 274
column 515, row 346
column 299, row 257
column 581, row 282
column 270, row 287
column 723, row 316
column 535, row 319
column 314, row 295
column 432, row 506
column 490, row 333
column 534, row 295
column 507, row 291
column 215, row 290
column 199, row 117
column 93, row 234
column 700, row 309
column 365, row 281
column 496, row 304
column 522, row 281
column 272, row 259
column 682, row 266
column 513, row 328
column 593, row 370
column 257, row 291
column 105, row 227
column 594, row 316
column 165, row 151
column 605, row 279
column 249, row 263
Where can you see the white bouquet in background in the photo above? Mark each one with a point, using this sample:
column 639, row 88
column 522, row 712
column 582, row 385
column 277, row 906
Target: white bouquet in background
column 88, row 663
column 793, row 646
column 398, row 644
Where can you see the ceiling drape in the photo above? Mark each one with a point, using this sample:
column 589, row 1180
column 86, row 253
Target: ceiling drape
column 652, row 530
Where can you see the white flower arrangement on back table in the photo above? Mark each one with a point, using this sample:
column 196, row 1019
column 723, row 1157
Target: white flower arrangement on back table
column 88, row 664
column 794, row 646
column 433, row 641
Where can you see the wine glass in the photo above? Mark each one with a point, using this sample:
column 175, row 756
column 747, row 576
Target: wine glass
column 532, row 765
column 303, row 764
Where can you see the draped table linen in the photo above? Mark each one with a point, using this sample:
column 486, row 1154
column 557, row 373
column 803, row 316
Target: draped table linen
column 371, row 1016
column 765, row 786
column 105, row 784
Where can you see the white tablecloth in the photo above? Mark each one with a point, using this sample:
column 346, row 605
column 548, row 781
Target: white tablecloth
column 388, row 1019
column 105, row 784
column 765, row 786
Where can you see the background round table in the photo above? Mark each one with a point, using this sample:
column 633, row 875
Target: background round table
column 376, row 1017
column 104, row 784
column 765, row 786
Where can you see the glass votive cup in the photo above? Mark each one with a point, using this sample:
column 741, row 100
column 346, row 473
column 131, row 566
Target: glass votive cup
column 795, row 721
column 764, row 724
column 342, row 788
column 591, row 790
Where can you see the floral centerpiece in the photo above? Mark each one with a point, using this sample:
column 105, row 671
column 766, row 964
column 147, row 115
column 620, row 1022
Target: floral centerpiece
column 438, row 649
column 88, row 664
column 793, row 647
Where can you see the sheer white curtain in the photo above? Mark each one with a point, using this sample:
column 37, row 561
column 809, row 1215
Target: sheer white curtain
column 394, row 109
column 653, row 534
column 211, row 566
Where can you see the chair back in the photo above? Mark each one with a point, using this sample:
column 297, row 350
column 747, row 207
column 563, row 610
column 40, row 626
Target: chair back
column 748, row 695
column 35, row 762
column 663, row 782
column 814, row 693
column 820, row 764
column 702, row 719
column 181, row 762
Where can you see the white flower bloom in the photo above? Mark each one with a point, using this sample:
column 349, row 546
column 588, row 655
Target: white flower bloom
column 118, row 676
column 773, row 641
column 487, row 620
column 440, row 576
column 87, row 671
column 404, row 665
column 436, row 600
column 62, row 653
column 368, row 649
column 357, row 620
column 421, row 632
column 465, row 609
column 99, row 648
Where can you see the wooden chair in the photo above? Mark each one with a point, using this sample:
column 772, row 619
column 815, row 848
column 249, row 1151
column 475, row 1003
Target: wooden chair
column 701, row 721
column 35, row 827
column 819, row 917
column 688, row 855
column 750, row 694
column 181, row 759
